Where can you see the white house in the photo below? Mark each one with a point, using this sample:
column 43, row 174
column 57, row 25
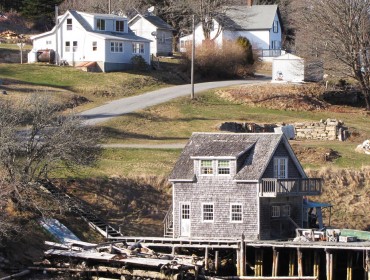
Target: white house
column 102, row 39
column 153, row 28
column 261, row 24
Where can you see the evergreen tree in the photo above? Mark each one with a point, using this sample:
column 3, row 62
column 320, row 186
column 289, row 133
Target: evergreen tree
column 40, row 11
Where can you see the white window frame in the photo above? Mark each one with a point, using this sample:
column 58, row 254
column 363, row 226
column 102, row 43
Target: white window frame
column 116, row 47
column 232, row 217
column 208, row 212
column 204, row 170
column 275, row 211
column 67, row 46
column 118, row 26
column 275, row 26
column 100, row 24
column 281, row 167
column 74, row 46
column 69, row 24
column 94, row 46
column 220, row 168
column 138, row 48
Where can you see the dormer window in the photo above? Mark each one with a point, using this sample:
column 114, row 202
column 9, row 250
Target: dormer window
column 120, row 25
column 223, row 167
column 69, row 24
column 206, row 167
column 100, row 24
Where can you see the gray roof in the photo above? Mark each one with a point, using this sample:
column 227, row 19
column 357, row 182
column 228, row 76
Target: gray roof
column 106, row 34
column 258, row 149
column 256, row 17
column 158, row 22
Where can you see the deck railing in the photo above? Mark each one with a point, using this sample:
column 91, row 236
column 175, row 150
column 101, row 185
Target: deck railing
column 269, row 52
column 273, row 187
column 168, row 223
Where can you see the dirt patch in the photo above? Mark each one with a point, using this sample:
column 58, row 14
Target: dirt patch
column 281, row 97
column 314, row 155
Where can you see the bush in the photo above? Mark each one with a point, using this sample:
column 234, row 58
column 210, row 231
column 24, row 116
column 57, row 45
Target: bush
column 219, row 62
column 247, row 46
column 139, row 63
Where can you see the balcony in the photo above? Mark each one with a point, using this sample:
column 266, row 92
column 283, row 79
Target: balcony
column 273, row 187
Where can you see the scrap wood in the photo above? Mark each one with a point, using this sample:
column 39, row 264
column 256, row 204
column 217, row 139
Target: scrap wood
column 20, row 274
column 62, row 246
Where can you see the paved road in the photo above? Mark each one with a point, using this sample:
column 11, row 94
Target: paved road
column 131, row 104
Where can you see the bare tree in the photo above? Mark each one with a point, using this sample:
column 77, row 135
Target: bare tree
column 36, row 140
column 338, row 32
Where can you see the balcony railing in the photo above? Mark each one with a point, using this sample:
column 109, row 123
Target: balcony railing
column 269, row 52
column 290, row 187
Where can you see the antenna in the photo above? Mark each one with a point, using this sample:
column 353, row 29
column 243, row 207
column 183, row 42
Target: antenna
column 151, row 9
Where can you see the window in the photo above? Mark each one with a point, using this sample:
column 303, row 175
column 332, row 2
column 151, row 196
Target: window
column 100, row 24
column 69, row 24
column 48, row 42
column 223, row 167
column 94, row 46
column 137, row 47
column 275, row 211
column 275, row 27
column 285, row 210
column 120, row 26
column 68, row 46
column 207, row 212
column 206, row 167
column 74, row 46
column 280, row 168
column 236, row 210
column 116, row 47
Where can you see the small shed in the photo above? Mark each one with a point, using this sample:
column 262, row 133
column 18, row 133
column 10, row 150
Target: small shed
column 288, row 68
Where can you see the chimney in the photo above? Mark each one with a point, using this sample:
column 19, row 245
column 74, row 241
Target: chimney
column 249, row 3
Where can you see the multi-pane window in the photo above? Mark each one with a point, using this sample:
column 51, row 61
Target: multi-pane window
column 138, row 48
column 68, row 46
column 48, row 42
column 223, row 167
column 207, row 212
column 275, row 27
column 116, row 47
column 206, row 167
column 69, row 24
column 285, row 209
column 120, row 26
column 185, row 211
column 236, row 212
column 94, row 46
column 280, row 167
column 100, row 24
column 275, row 211
column 75, row 46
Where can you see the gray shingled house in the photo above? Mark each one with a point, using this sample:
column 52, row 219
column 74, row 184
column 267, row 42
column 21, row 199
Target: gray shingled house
column 229, row 184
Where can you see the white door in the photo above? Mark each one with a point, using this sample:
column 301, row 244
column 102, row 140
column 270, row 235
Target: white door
column 185, row 219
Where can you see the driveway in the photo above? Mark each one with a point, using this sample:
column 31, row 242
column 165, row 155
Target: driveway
column 131, row 104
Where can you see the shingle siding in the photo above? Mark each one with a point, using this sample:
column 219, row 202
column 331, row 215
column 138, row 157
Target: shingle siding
column 222, row 192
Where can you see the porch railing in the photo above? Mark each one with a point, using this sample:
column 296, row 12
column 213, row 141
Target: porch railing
column 168, row 223
column 269, row 52
column 273, row 187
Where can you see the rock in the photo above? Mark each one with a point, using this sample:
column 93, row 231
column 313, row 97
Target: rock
column 364, row 148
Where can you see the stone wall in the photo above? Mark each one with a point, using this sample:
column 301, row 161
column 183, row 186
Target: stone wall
column 330, row 129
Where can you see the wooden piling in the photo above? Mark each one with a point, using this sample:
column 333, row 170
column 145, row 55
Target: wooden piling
column 291, row 262
column 258, row 267
column 349, row 265
column 300, row 262
column 329, row 265
column 275, row 262
column 242, row 257
column 206, row 259
column 316, row 264
column 367, row 268
column 217, row 262
column 308, row 263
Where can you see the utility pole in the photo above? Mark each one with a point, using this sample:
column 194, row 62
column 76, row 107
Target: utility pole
column 192, row 59
column 109, row 6
column 56, row 34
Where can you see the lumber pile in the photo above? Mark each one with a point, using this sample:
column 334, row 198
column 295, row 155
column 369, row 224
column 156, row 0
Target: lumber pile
column 115, row 258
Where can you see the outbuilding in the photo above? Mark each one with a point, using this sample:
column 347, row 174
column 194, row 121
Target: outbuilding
column 288, row 68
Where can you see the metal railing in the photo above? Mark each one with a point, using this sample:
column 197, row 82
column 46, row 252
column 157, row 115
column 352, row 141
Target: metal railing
column 168, row 223
column 273, row 187
column 269, row 52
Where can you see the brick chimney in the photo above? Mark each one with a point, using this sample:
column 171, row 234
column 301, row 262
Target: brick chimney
column 249, row 3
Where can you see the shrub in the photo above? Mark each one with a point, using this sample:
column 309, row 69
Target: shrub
column 219, row 62
column 139, row 63
column 247, row 46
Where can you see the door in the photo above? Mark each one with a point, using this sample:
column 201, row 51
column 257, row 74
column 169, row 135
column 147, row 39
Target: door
column 185, row 219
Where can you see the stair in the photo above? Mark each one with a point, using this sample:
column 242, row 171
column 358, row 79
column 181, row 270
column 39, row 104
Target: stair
column 83, row 210
column 168, row 223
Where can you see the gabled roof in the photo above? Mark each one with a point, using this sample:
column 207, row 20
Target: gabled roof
column 153, row 19
column 245, row 17
column 87, row 27
column 257, row 149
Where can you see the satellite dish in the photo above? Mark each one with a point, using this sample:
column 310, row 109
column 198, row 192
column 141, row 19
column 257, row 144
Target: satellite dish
column 154, row 33
column 151, row 9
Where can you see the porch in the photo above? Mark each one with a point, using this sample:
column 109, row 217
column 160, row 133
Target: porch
column 273, row 187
